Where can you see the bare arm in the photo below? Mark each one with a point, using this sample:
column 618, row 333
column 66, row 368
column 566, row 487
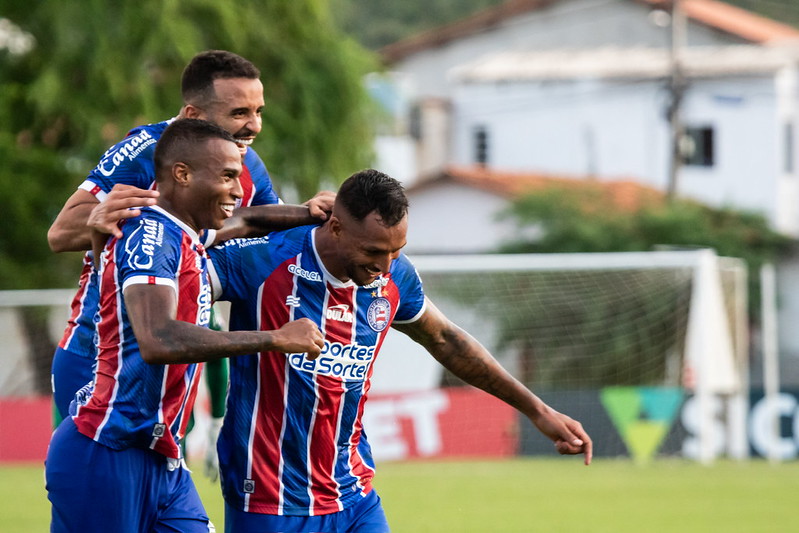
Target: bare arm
column 164, row 340
column 70, row 232
column 460, row 353
column 257, row 221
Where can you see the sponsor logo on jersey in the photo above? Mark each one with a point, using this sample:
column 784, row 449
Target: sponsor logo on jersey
column 141, row 248
column 378, row 282
column 292, row 301
column 132, row 147
column 348, row 362
column 378, row 314
column 204, row 305
column 307, row 274
column 339, row 313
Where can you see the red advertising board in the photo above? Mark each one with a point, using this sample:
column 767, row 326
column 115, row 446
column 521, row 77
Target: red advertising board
column 440, row 423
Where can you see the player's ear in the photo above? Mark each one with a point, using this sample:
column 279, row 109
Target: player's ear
column 334, row 223
column 190, row 111
column 181, row 173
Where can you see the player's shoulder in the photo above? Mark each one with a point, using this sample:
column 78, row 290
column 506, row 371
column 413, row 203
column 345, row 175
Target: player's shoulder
column 277, row 244
column 134, row 151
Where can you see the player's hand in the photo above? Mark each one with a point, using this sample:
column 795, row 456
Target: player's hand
column 211, row 463
column 568, row 434
column 321, row 205
column 299, row 336
column 122, row 202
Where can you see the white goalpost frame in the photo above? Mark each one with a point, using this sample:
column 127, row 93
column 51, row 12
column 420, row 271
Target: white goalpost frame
column 701, row 346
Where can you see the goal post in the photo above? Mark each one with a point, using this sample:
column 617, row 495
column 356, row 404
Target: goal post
column 641, row 328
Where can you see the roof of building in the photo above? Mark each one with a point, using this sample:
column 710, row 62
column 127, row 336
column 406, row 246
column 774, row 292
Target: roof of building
column 623, row 194
column 736, row 21
column 629, row 63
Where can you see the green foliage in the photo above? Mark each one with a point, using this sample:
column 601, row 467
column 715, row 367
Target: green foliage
column 377, row 23
column 582, row 220
column 99, row 68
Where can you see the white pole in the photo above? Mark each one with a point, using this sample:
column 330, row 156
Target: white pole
column 771, row 365
column 738, row 408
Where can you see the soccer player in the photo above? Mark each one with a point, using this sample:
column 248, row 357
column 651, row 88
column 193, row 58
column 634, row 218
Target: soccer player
column 116, row 463
column 293, row 453
column 216, row 85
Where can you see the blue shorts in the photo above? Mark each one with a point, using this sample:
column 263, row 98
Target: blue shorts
column 94, row 488
column 70, row 372
column 366, row 516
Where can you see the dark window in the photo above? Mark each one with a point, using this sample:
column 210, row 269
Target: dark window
column 481, row 145
column 698, row 147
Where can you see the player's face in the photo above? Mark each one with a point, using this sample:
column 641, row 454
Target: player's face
column 366, row 248
column 214, row 184
column 237, row 108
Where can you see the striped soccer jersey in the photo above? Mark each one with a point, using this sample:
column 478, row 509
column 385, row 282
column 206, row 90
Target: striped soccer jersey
column 130, row 162
column 135, row 404
column 292, row 441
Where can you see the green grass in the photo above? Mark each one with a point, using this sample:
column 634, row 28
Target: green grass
column 547, row 495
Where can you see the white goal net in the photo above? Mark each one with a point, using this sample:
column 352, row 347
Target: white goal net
column 644, row 342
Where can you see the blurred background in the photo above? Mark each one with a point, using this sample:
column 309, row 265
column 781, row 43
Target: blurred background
column 605, row 192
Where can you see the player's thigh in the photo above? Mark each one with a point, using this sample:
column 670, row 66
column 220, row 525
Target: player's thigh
column 367, row 516
column 70, row 372
column 93, row 488
column 181, row 509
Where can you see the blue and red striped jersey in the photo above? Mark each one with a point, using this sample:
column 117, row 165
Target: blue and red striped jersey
column 133, row 403
column 292, row 442
column 130, row 162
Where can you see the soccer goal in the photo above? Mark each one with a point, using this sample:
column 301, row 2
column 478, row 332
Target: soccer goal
column 649, row 350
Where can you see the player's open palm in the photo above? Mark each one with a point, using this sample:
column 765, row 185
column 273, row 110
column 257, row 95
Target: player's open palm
column 122, row 202
column 299, row 336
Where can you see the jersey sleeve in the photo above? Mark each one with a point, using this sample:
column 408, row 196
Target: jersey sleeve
column 148, row 253
column 412, row 300
column 264, row 192
column 232, row 264
column 129, row 162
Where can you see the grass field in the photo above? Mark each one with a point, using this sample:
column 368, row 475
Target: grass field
column 528, row 495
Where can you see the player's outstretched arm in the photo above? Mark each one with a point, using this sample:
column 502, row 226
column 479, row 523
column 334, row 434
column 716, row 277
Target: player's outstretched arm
column 321, row 205
column 460, row 353
column 71, row 231
column 257, row 221
column 163, row 339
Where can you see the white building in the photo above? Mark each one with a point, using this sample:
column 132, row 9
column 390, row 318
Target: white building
column 582, row 88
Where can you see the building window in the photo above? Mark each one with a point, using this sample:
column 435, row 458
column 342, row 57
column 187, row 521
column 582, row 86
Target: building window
column 788, row 150
column 698, row 146
column 481, row 145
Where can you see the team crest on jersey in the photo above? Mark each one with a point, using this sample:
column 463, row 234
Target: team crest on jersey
column 378, row 314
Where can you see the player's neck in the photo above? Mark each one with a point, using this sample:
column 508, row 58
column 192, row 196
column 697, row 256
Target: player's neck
column 328, row 253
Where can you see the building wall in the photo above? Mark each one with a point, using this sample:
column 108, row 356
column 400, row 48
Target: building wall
column 452, row 219
column 617, row 129
column 565, row 24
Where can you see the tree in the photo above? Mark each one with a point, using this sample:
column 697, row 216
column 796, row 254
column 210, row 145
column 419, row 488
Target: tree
column 604, row 328
column 93, row 70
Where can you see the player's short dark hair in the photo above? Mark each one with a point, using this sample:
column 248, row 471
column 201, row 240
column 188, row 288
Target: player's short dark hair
column 197, row 83
column 371, row 190
column 183, row 139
